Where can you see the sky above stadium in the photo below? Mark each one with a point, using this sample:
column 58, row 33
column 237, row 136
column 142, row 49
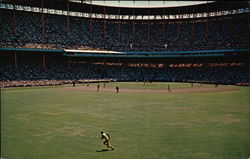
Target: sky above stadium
column 141, row 3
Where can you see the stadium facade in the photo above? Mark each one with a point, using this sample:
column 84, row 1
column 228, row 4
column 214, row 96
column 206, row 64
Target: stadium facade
column 56, row 42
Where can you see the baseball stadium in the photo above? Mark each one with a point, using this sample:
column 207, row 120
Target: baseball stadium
column 154, row 79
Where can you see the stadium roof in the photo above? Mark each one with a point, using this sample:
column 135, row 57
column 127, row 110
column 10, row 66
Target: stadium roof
column 100, row 9
column 141, row 3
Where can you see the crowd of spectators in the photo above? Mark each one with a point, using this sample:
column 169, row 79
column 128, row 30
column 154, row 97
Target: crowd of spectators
column 179, row 35
column 26, row 31
column 29, row 74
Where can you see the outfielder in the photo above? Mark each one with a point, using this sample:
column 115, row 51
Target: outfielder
column 106, row 138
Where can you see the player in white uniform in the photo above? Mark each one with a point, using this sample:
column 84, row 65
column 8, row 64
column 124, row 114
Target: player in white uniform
column 106, row 138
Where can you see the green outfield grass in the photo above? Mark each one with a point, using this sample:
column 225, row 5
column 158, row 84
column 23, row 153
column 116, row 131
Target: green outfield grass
column 55, row 123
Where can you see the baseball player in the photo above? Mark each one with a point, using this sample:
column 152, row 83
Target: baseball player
column 106, row 138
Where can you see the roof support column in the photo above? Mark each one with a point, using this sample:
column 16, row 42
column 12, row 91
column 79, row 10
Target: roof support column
column 42, row 19
column 104, row 24
column 43, row 62
column 119, row 22
column 178, row 31
column 134, row 24
column 231, row 27
column 148, row 26
column 134, row 21
column 68, row 22
column 119, row 30
column 163, row 24
column 119, row 27
column 193, row 30
column 179, row 23
column 90, row 24
column 14, row 19
column 206, row 32
column 15, row 60
column 163, row 28
column 69, row 61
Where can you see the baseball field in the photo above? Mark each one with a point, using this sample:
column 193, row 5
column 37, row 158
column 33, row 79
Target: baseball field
column 144, row 121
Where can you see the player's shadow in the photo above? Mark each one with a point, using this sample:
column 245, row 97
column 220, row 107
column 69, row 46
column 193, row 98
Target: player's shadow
column 103, row 150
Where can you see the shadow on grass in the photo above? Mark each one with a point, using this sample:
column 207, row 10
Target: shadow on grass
column 103, row 150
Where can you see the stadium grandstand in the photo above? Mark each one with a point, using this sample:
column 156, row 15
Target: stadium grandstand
column 54, row 42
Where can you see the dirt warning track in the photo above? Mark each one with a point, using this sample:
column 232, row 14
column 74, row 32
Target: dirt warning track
column 173, row 90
